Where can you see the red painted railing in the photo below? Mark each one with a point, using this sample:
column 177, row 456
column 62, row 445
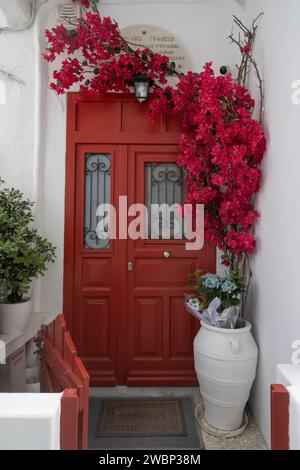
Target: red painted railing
column 63, row 371
column 279, row 417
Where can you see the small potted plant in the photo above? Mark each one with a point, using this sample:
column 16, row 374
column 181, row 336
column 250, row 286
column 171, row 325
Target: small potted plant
column 225, row 352
column 218, row 299
column 24, row 255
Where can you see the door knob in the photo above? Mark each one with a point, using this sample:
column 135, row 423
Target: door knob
column 129, row 266
column 167, row 254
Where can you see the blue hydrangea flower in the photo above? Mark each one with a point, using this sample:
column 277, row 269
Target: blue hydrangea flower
column 194, row 303
column 211, row 281
column 228, row 286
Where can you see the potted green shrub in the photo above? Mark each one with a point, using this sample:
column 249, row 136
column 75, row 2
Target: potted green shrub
column 24, row 255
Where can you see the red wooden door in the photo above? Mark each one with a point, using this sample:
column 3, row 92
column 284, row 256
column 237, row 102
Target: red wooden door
column 96, row 264
column 124, row 297
column 160, row 332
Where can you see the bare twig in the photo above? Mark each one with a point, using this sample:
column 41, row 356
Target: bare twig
column 246, row 272
column 255, row 21
column 261, row 89
column 245, row 45
column 245, row 40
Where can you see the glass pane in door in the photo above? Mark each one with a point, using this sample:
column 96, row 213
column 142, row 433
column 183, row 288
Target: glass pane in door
column 97, row 191
column 164, row 184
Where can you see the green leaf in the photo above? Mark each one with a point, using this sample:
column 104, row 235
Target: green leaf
column 96, row 70
column 24, row 254
column 73, row 33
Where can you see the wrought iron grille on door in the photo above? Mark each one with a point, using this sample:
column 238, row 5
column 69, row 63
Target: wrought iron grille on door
column 164, row 185
column 97, row 191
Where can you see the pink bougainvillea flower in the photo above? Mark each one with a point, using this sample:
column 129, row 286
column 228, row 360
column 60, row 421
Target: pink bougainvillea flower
column 222, row 145
column 246, row 49
column 84, row 3
column 225, row 262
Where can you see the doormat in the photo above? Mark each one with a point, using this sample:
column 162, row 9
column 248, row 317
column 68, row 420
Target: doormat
column 143, row 423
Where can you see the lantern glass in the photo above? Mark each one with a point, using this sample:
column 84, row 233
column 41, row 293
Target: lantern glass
column 141, row 88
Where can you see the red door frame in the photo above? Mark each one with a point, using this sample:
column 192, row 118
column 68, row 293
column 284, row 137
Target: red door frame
column 163, row 135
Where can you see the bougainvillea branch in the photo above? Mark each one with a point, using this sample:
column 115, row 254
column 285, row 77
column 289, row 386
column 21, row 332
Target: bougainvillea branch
column 99, row 58
column 223, row 145
column 245, row 42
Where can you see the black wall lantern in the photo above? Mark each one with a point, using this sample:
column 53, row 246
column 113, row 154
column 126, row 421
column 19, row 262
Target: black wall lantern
column 225, row 70
column 142, row 87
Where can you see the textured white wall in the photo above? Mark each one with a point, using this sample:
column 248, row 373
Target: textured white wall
column 14, row 12
column 32, row 150
column 274, row 299
column 32, row 123
column 16, row 116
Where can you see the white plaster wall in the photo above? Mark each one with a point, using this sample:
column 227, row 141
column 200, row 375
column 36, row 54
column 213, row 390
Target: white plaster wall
column 16, row 116
column 32, row 122
column 32, row 150
column 14, row 12
column 274, row 299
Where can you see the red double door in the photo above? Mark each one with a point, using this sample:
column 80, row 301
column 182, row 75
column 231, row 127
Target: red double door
column 124, row 297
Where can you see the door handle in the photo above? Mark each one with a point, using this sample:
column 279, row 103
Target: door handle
column 167, row 254
column 129, row 266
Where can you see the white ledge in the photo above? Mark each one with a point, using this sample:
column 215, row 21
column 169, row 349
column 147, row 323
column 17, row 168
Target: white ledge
column 16, row 341
column 288, row 374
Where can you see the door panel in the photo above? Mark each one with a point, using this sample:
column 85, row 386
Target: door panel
column 148, row 320
column 156, row 272
column 95, row 264
column 160, row 332
column 182, row 328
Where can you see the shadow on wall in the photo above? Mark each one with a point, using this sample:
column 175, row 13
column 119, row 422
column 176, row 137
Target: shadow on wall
column 2, row 92
column 252, row 313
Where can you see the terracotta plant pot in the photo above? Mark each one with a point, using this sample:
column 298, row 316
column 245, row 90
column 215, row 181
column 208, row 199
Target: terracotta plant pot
column 14, row 318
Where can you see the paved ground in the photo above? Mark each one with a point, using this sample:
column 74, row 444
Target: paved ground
column 251, row 439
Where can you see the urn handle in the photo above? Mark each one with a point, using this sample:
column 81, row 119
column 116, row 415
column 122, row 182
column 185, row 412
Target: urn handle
column 235, row 346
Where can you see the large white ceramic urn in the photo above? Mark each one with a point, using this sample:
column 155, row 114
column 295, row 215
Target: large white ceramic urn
column 225, row 362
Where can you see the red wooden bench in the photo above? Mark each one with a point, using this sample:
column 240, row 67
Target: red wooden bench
column 63, row 371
